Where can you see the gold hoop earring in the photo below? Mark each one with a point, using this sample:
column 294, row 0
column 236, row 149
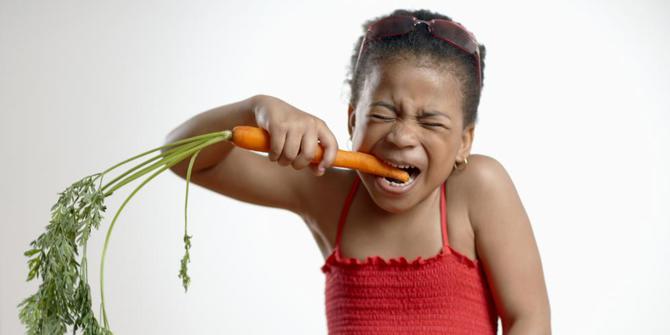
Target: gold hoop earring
column 461, row 166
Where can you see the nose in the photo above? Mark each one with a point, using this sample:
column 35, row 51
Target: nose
column 402, row 135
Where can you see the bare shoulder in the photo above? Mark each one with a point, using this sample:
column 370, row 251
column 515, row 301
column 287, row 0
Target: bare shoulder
column 484, row 167
column 484, row 179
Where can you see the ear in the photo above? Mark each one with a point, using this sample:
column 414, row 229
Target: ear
column 352, row 120
column 466, row 143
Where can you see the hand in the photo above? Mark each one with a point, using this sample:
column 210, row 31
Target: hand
column 294, row 134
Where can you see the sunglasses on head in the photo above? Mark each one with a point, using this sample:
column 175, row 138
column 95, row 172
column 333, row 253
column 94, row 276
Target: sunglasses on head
column 448, row 31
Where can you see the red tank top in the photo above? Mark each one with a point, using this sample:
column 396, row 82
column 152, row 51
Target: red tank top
column 443, row 294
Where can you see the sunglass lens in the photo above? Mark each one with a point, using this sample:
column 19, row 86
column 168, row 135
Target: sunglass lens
column 454, row 35
column 392, row 26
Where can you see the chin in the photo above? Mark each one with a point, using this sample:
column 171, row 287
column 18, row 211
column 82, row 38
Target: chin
column 393, row 207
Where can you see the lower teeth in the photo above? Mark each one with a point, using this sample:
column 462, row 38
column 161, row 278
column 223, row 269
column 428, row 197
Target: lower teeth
column 394, row 183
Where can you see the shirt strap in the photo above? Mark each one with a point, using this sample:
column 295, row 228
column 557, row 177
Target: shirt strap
column 443, row 214
column 345, row 209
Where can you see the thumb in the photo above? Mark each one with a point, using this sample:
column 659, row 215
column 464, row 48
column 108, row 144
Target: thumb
column 315, row 169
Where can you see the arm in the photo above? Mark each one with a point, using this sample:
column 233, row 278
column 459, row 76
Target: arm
column 507, row 248
column 216, row 119
column 251, row 177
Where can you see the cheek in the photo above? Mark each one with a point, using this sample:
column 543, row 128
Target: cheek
column 366, row 136
column 439, row 155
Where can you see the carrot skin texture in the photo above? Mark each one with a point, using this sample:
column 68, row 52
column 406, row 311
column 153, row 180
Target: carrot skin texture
column 258, row 139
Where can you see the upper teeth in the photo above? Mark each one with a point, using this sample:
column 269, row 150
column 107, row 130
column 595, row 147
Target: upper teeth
column 400, row 166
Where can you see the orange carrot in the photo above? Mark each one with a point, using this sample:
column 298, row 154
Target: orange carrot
column 258, row 139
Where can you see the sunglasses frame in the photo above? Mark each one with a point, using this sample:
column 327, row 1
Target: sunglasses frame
column 471, row 47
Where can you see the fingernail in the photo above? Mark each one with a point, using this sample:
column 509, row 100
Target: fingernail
column 322, row 169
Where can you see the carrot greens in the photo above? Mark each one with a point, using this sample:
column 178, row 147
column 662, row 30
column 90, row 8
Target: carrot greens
column 58, row 255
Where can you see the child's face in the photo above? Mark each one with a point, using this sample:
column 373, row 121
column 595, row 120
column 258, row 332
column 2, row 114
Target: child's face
column 411, row 115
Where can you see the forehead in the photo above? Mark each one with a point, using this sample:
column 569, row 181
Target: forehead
column 410, row 81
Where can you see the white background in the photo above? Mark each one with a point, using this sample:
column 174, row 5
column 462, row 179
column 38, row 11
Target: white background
column 574, row 107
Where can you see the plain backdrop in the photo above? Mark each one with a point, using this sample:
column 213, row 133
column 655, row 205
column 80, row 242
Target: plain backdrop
column 574, row 106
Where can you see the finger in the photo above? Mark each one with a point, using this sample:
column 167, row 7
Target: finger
column 307, row 149
column 315, row 169
column 291, row 147
column 329, row 144
column 277, row 140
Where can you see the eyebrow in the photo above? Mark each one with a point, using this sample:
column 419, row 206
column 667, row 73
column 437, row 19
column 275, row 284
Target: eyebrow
column 422, row 114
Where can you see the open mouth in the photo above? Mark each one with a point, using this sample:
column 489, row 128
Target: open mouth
column 413, row 172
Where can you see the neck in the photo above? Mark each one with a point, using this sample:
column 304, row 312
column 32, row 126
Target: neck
column 420, row 213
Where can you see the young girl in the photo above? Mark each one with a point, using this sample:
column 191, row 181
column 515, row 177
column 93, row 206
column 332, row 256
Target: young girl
column 447, row 252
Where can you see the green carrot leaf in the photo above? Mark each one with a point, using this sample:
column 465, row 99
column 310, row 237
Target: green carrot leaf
column 58, row 257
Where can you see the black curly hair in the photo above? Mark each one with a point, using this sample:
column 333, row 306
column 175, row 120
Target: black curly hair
column 420, row 44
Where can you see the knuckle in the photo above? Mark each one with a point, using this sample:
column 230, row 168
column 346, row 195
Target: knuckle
column 260, row 96
column 278, row 128
column 309, row 150
column 309, row 155
column 275, row 151
column 297, row 165
column 290, row 155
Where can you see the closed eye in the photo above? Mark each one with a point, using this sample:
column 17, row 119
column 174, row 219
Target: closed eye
column 388, row 118
column 381, row 117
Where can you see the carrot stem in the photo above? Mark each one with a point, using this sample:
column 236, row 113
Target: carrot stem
column 163, row 155
column 179, row 145
column 166, row 157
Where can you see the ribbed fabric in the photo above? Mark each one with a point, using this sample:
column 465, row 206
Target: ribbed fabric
column 443, row 294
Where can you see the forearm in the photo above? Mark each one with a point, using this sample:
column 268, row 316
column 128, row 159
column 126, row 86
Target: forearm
column 213, row 120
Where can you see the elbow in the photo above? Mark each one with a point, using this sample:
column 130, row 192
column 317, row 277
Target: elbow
column 528, row 325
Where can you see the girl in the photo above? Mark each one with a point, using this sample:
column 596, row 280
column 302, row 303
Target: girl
column 447, row 252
